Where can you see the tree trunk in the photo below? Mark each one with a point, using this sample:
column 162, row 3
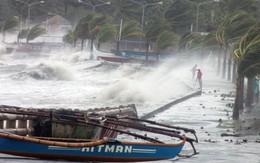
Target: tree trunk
column 229, row 68
column 234, row 74
column 241, row 95
column 146, row 51
column 230, row 61
column 3, row 37
column 238, row 99
column 82, row 44
column 219, row 60
column 224, row 63
column 98, row 46
column 91, row 48
column 249, row 94
column 117, row 46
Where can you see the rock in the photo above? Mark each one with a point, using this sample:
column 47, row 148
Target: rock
column 237, row 143
column 244, row 140
column 226, row 134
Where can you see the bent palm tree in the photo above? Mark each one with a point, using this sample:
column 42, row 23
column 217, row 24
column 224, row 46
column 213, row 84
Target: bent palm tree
column 94, row 27
column 22, row 34
column 8, row 25
column 82, row 28
column 233, row 27
column 129, row 29
column 106, row 33
column 248, row 56
column 166, row 39
column 70, row 38
column 35, row 32
column 154, row 30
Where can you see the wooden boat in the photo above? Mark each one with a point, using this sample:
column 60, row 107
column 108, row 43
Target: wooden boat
column 127, row 57
column 39, row 122
column 103, row 149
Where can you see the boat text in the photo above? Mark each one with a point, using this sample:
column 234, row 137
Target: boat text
column 109, row 148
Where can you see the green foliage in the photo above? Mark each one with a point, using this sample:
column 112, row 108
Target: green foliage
column 106, row 33
column 70, row 37
column 22, row 34
column 10, row 24
column 35, row 32
column 210, row 42
column 130, row 29
column 156, row 28
column 166, row 39
column 82, row 28
column 191, row 41
column 95, row 24
column 248, row 52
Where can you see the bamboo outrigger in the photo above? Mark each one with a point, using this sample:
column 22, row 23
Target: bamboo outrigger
column 104, row 148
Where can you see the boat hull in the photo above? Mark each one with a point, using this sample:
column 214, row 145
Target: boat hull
column 115, row 151
column 127, row 57
column 119, row 59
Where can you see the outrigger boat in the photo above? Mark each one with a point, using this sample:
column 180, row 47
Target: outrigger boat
column 129, row 57
column 133, row 57
column 105, row 149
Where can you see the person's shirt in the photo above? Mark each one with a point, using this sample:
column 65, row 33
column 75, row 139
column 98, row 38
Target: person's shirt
column 199, row 75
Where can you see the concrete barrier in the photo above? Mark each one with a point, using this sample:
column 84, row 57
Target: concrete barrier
column 167, row 106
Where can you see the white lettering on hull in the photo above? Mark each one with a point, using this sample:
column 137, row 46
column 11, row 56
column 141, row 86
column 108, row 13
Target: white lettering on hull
column 109, row 149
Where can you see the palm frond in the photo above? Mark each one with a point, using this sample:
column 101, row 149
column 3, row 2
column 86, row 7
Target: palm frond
column 35, row 32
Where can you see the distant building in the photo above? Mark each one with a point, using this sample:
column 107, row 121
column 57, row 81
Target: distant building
column 56, row 27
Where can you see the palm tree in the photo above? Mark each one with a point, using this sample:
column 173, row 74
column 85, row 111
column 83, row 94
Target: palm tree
column 70, row 37
column 94, row 27
column 191, row 42
column 210, row 43
column 235, row 24
column 35, row 32
column 154, row 30
column 82, row 28
column 165, row 40
column 248, row 56
column 126, row 10
column 22, row 34
column 129, row 29
column 106, row 33
column 8, row 25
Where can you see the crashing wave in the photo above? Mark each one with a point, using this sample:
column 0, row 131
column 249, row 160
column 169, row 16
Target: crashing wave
column 45, row 71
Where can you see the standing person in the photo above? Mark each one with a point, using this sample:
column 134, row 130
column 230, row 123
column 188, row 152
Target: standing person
column 193, row 70
column 199, row 78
